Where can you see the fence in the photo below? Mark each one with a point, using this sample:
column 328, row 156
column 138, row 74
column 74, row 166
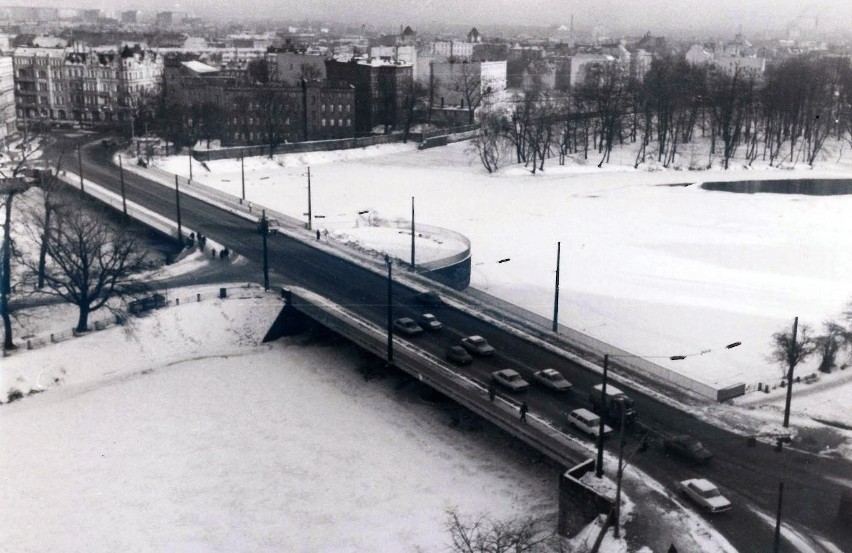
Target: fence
column 117, row 317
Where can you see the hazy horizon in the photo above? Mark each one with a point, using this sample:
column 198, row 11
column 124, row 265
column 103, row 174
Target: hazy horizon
column 653, row 15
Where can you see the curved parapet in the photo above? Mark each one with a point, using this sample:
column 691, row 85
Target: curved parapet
column 453, row 270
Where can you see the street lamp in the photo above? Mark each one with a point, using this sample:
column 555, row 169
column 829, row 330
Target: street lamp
column 389, row 262
column 603, row 399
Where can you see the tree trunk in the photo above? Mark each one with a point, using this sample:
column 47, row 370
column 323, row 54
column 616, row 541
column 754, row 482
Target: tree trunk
column 45, row 237
column 83, row 319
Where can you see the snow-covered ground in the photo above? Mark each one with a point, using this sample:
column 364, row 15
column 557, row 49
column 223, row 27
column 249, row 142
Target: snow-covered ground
column 656, row 270
column 183, row 432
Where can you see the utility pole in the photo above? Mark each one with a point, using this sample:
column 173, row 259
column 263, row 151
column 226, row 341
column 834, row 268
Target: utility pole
column 619, row 474
column 389, row 261
column 177, row 203
column 243, row 173
column 309, row 198
column 121, row 176
column 599, row 462
column 264, row 231
column 556, row 293
column 80, row 165
column 190, row 165
column 776, row 547
column 791, row 358
column 412, row 233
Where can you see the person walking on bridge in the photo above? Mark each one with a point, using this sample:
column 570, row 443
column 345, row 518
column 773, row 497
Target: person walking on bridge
column 524, row 409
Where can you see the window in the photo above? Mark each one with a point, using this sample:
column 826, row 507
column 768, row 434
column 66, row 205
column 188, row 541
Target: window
column 339, row 108
column 340, row 122
column 349, row 122
column 322, row 108
column 323, row 122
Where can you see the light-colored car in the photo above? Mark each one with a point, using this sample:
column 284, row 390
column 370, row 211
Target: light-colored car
column 553, row 379
column 430, row 322
column 705, row 494
column 587, row 422
column 477, row 345
column 510, row 379
column 407, row 326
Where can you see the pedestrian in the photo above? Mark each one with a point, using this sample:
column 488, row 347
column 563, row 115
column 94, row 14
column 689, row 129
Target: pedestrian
column 524, row 409
column 222, row 254
column 213, row 253
column 492, row 391
column 318, row 234
column 227, row 253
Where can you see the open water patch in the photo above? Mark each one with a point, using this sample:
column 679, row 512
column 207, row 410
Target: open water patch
column 805, row 187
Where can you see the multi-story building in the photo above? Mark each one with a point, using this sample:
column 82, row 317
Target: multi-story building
column 291, row 66
column 83, row 85
column 381, row 90
column 455, row 84
column 8, row 119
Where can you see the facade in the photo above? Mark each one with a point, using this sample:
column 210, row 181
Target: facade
column 380, row 91
column 581, row 62
column 448, row 80
column 290, row 67
column 82, row 85
column 8, row 119
column 452, row 49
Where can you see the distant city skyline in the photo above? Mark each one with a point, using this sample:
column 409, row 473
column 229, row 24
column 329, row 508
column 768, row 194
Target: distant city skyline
column 616, row 15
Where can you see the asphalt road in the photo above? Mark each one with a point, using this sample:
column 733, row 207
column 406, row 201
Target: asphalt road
column 746, row 475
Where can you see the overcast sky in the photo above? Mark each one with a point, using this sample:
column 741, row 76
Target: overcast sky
column 650, row 14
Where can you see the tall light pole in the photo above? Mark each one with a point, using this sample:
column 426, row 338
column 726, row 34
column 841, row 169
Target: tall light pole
column 791, row 358
column 177, row 204
column 412, row 233
column 243, row 173
column 309, row 198
column 619, row 474
column 389, row 262
column 556, row 292
column 599, row 462
column 190, row 165
column 121, row 176
column 264, row 231
column 80, row 165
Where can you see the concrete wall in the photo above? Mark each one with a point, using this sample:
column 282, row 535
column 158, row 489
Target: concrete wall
column 579, row 504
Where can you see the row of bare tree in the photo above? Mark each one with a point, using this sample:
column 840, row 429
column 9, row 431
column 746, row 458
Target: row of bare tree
column 53, row 248
column 785, row 116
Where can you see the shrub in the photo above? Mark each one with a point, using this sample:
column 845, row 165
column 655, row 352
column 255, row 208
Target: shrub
column 14, row 395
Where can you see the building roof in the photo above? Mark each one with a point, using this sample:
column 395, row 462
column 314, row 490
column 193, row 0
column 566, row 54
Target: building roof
column 198, row 67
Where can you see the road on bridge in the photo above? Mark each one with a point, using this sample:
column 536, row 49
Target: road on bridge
column 749, row 476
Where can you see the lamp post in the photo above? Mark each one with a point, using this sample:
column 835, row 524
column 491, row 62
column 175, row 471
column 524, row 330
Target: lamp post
column 619, row 474
column 121, row 177
column 177, row 204
column 264, row 231
column 556, row 292
column 776, row 546
column 389, row 262
column 791, row 357
column 190, row 165
column 243, row 173
column 309, row 198
column 412, row 233
column 599, row 462
column 80, row 165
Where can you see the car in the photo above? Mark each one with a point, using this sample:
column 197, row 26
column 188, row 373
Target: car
column 477, row 345
column 430, row 322
column 459, row 356
column 705, row 494
column 587, row 422
column 553, row 379
column 687, row 447
column 510, row 379
column 430, row 299
column 407, row 326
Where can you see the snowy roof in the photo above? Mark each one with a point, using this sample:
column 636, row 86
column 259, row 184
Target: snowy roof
column 198, row 67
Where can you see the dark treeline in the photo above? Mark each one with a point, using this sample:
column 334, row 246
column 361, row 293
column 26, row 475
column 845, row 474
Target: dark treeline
column 783, row 116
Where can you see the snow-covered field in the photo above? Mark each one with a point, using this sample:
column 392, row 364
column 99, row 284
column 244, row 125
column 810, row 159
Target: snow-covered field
column 656, row 270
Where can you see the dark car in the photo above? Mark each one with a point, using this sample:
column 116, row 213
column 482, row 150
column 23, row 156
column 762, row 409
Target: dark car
column 688, row 448
column 407, row 326
column 430, row 322
column 430, row 299
column 459, row 356
column 477, row 345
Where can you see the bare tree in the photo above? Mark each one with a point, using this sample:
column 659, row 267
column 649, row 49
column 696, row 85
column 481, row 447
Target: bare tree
column 468, row 83
column 490, row 142
column 828, row 345
column 90, row 263
column 484, row 535
column 790, row 353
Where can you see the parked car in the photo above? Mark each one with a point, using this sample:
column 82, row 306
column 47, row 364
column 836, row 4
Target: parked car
column 430, row 299
column 687, row 447
column 553, row 379
column 587, row 422
column 705, row 494
column 430, row 322
column 510, row 379
column 477, row 345
column 407, row 327
column 459, row 356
